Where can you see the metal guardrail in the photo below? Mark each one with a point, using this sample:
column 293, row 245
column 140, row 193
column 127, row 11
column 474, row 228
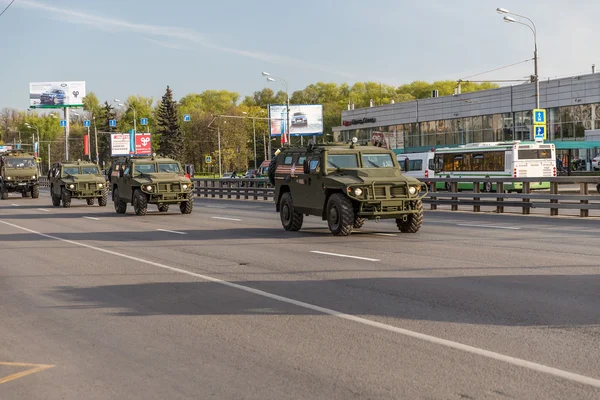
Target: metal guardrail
column 43, row 182
column 584, row 200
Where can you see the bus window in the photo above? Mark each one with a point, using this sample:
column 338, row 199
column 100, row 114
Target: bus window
column 415, row 165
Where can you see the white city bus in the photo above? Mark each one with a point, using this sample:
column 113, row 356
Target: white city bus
column 497, row 159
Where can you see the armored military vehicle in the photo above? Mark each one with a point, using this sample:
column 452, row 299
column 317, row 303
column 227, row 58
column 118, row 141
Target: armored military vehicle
column 345, row 184
column 77, row 180
column 150, row 180
column 18, row 173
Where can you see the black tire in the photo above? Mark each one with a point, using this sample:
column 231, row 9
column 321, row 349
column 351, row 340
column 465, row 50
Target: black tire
column 66, row 198
column 120, row 206
column 358, row 222
column 55, row 201
column 90, row 202
column 103, row 200
column 448, row 187
column 487, row 187
column 163, row 207
column 3, row 194
column 140, row 203
column 414, row 221
column 271, row 171
column 35, row 192
column 186, row 207
column 598, row 188
column 340, row 215
column 290, row 219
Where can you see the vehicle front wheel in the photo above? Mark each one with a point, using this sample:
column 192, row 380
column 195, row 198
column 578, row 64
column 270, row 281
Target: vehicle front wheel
column 413, row 222
column 340, row 215
column 185, row 207
column 90, row 202
column 140, row 203
column 290, row 219
column 3, row 194
column 163, row 208
column 358, row 222
column 103, row 200
column 66, row 198
column 55, row 201
column 35, row 192
column 120, row 206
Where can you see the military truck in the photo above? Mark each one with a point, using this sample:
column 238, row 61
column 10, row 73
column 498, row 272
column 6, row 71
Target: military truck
column 80, row 180
column 344, row 184
column 18, row 173
column 150, row 180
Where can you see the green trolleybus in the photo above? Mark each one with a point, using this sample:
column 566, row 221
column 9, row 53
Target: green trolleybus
column 497, row 159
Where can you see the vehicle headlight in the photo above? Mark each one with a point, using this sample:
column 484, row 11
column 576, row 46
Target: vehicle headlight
column 8, row 178
column 100, row 186
column 71, row 186
column 412, row 190
column 149, row 188
column 184, row 186
column 33, row 177
column 358, row 191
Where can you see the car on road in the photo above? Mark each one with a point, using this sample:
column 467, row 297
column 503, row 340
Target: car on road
column 344, row 185
column 229, row 175
column 80, row 180
column 299, row 119
column 143, row 180
column 53, row 96
column 596, row 163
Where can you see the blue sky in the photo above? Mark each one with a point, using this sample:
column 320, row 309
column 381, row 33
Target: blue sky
column 123, row 47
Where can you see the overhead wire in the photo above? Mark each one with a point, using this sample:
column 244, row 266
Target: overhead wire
column 7, row 7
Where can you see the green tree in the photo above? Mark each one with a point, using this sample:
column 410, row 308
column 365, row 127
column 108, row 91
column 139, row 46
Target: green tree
column 171, row 142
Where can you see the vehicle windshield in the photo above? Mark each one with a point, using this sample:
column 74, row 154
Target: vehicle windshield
column 16, row 162
column 145, row 168
column 377, row 161
column 168, row 167
column 70, row 171
column 89, row 170
column 342, row 161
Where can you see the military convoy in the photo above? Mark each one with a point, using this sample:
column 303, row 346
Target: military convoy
column 344, row 185
column 150, row 180
column 18, row 173
column 77, row 180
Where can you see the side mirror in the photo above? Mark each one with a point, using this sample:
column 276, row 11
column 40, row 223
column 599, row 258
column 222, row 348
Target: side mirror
column 306, row 167
column 406, row 164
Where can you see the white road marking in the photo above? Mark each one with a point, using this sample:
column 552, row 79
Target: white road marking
column 43, row 209
column 227, row 219
column 166, row 230
column 344, row 255
column 16, row 205
column 215, row 206
column 93, row 218
column 519, row 362
column 490, row 226
column 384, row 234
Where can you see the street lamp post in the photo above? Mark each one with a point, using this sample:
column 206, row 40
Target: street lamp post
column 254, row 141
column 271, row 78
column 38, row 133
column 533, row 29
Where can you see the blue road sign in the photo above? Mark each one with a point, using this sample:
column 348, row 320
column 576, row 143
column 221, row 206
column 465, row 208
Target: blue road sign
column 112, row 122
column 63, row 122
column 540, row 132
column 86, row 123
column 539, row 116
column 186, row 118
column 208, row 159
column 144, row 121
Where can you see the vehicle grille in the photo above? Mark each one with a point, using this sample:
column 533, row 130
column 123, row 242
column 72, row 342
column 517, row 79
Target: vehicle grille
column 389, row 192
column 163, row 187
column 399, row 191
column 169, row 187
column 92, row 186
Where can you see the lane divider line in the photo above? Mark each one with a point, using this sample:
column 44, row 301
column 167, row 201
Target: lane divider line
column 177, row 232
column 344, row 256
column 43, row 209
column 92, row 218
column 35, row 368
column 490, row 226
column 16, row 205
column 227, row 219
column 519, row 362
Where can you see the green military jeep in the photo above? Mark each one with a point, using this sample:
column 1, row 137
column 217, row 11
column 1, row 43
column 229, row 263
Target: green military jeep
column 18, row 173
column 150, row 180
column 345, row 185
column 77, row 180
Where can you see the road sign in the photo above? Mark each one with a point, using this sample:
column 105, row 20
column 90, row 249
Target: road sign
column 144, row 121
column 208, row 159
column 186, row 118
column 540, row 132
column 86, row 123
column 539, row 116
column 112, row 122
column 63, row 123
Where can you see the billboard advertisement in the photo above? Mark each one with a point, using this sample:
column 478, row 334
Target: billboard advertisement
column 56, row 94
column 120, row 144
column 143, row 144
column 305, row 119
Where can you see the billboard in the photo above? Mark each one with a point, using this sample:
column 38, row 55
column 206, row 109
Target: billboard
column 56, row 94
column 120, row 144
column 143, row 144
column 305, row 119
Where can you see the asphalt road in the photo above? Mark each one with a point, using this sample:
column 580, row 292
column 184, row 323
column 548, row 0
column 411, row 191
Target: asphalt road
column 225, row 304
